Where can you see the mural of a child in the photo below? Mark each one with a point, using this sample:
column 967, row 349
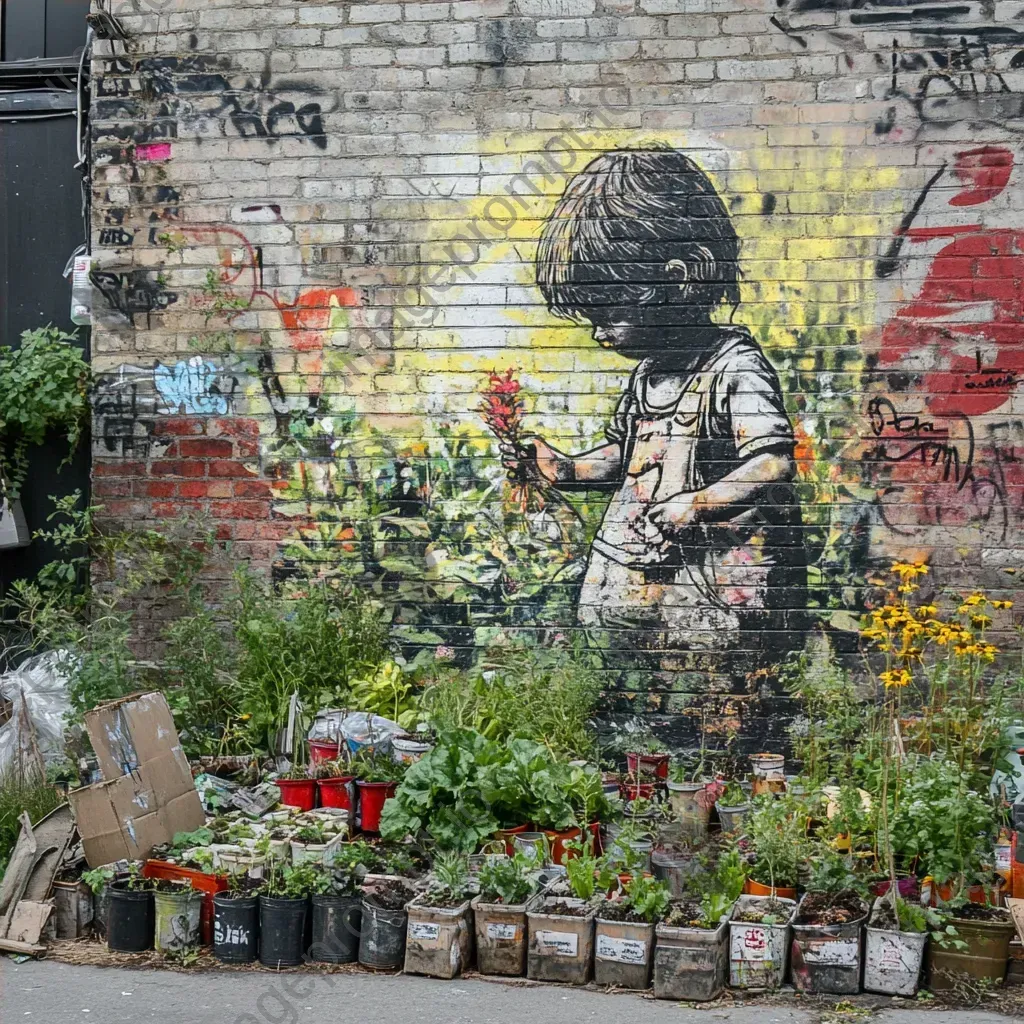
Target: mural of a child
column 700, row 548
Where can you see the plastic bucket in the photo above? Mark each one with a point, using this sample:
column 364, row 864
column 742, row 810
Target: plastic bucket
column 892, row 961
column 299, row 793
column 674, row 870
column 731, row 818
column 338, row 792
column 382, row 942
column 283, row 926
column 337, row 922
column 320, row 751
column 177, row 917
column 636, row 790
column 507, row 836
column 648, row 764
column 557, row 841
column 407, row 751
column 236, row 928
column 372, row 797
column 692, row 806
column 130, row 921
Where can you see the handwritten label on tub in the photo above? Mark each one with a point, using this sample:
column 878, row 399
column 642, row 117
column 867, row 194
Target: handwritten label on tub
column 558, row 943
column 421, row 930
column 621, row 951
column 751, row 944
column 839, row 953
column 502, row 931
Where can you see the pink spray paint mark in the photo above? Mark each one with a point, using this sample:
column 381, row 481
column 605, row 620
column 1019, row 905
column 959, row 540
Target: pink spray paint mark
column 153, row 151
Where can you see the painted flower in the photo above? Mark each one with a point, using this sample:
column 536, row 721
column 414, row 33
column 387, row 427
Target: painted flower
column 502, row 408
column 444, row 653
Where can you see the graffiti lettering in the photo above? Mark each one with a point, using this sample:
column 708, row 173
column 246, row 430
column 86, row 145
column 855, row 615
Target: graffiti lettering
column 138, row 291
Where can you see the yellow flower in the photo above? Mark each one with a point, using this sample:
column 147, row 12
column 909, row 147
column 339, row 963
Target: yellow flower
column 974, row 601
column 980, row 621
column 907, row 570
column 895, row 677
column 1002, row 604
column 244, row 718
column 927, row 611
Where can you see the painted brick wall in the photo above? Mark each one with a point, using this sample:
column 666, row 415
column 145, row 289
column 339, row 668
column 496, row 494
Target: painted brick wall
column 789, row 233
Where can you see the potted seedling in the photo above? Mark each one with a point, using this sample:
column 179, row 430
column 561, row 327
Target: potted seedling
column 759, row 936
column 284, row 913
column 377, row 778
column 969, row 941
column 439, row 940
column 507, row 885
column 624, row 933
column 589, row 802
column 98, row 880
column 769, row 773
column 897, row 933
column 692, row 792
column 297, row 788
column 733, row 805
column 130, row 918
column 236, row 921
column 828, row 944
column 647, row 756
column 561, row 924
column 691, row 956
column 309, row 843
column 338, row 911
column 777, row 835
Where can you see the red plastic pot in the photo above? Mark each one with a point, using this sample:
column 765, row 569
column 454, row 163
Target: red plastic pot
column 506, row 835
column 636, row 790
column 372, row 796
column 299, row 793
column 557, row 841
column 338, row 792
column 320, row 752
column 649, row 764
column 595, row 830
column 209, row 885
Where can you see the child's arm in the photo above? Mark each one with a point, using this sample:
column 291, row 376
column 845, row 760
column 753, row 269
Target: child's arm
column 744, row 487
column 599, row 467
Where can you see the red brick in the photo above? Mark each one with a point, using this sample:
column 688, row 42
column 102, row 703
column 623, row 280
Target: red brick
column 178, row 468
column 181, row 425
column 211, row 448
column 252, row 489
column 155, row 488
column 193, row 489
column 237, row 426
column 224, row 531
column 112, row 488
column 173, row 509
column 247, row 447
column 240, row 509
column 118, row 468
column 228, row 467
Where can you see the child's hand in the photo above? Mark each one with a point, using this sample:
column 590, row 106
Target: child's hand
column 537, row 459
column 675, row 513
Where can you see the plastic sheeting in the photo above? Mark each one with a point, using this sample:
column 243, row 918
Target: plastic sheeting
column 43, row 683
column 359, row 730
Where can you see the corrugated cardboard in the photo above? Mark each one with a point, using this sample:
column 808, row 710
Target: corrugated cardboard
column 148, row 793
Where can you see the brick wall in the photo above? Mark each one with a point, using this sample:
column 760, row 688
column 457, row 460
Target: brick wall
column 794, row 226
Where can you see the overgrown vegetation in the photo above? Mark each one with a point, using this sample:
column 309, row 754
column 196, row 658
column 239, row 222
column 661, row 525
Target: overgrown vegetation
column 30, row 794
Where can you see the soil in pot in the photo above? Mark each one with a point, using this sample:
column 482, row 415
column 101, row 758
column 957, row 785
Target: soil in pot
column 987, row 932
column 770, row 911
column 130, row 920
column 684, row 913
column 828, row 947
column 616, row 910
column 236, row 927
column 562, row 909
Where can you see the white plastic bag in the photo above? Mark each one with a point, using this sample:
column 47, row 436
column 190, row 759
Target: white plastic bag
column 43, row 683
column 359, row 730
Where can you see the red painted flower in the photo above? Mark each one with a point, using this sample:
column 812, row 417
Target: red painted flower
column 502, row 407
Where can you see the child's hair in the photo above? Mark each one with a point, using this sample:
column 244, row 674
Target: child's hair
column 638, row 228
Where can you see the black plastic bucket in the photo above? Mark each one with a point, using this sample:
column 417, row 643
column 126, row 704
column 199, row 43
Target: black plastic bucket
column 236, row 928
column 130, row 920
column 283, row 926
column 336, row 925
column 382, row 942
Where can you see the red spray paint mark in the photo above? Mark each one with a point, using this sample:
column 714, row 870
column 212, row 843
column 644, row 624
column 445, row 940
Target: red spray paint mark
column 153, row 151
column 985, row 171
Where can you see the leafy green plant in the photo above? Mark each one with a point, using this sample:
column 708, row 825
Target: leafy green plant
column 587, row 798
column 286, row 882
column 720, row 886
column 296, row 773
column 331, row 770
column 734, row 795
column 451, row 876
column 776, row 830
column 647, row 897
column 351, row 862
column 370, row 766
column 44, row 386
column 98, row 879
column 441, row 795
column 508, row 880
column 311, row 834
column 388, row 693
column 832, row 872
column 582, row 870
column 525, row 783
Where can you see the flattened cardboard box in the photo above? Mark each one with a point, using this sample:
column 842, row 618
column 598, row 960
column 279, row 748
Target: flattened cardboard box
column 148, row 794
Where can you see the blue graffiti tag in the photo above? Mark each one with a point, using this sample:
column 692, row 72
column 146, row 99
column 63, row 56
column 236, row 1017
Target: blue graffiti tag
column 191, row 387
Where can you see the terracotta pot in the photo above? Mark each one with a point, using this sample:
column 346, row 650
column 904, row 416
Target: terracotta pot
column 752, row 888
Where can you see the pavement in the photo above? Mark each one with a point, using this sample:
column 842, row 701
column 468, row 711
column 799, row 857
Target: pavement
column 58, row 993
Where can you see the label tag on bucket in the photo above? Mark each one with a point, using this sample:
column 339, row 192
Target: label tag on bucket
column 621, row 951
column 421, row 930
column 751, row 944
column 558, row 943
column 838, row 953
column 502, row 931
